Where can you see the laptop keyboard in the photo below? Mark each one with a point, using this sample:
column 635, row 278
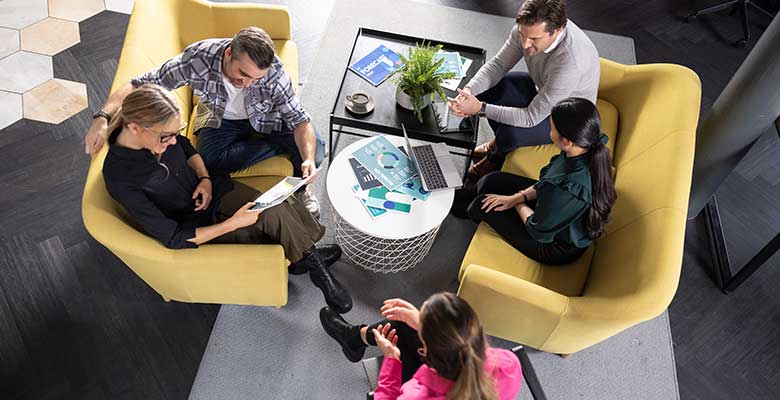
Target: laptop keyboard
column 429, row 167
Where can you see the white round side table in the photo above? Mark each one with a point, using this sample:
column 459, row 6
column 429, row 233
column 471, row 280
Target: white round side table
column 392, row 242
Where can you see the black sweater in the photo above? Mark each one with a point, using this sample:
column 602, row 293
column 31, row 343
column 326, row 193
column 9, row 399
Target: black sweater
column 160, row 201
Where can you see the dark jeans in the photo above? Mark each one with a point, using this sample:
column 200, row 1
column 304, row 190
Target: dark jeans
column 515, row 89
column 289, row 224
column 408, row 343
column 510, row 226
column 235, row 145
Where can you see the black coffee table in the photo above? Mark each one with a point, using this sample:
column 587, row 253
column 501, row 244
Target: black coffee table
column 387, row 116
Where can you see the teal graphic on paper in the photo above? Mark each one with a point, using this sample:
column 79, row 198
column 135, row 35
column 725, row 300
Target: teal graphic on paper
column 413, row 187
column 373, row 211
column 380, row 197
column 452, row 63
column 385, row 161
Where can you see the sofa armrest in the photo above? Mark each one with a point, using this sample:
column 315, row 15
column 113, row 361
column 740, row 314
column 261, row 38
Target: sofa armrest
column 218, row 273
column 511, row 308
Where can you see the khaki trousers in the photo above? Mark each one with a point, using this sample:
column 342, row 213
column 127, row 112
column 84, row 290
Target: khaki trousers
column 289, row 224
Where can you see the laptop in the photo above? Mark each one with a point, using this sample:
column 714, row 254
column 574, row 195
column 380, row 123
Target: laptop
column 434, row 164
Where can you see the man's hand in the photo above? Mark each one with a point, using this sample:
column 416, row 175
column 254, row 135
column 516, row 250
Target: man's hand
column 401, row 310
column 309, row 170
column 96, row 136
column 466, row 104
column 204, row 191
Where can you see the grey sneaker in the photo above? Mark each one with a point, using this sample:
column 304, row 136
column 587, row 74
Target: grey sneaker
column 310, row 202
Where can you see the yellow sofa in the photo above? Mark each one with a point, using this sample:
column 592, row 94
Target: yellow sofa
column 225, row 274
column 630, row 274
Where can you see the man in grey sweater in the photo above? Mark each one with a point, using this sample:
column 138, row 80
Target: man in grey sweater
column 562, row 62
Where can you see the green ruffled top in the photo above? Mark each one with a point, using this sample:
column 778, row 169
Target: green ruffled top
column 563, row 200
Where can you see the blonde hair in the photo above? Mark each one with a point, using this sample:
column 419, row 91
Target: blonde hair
column 456, row 344
column 146, row 105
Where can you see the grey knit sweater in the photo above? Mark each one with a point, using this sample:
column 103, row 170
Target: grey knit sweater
column 570, row 70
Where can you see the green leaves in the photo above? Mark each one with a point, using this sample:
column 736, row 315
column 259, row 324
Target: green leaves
column 419, row 75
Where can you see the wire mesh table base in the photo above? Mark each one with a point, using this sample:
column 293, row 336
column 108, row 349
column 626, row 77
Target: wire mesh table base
column 382, row 255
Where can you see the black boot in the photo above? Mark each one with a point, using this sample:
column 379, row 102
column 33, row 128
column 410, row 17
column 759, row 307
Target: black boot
column 330, row 254
column 347, row 335
column 336, row 296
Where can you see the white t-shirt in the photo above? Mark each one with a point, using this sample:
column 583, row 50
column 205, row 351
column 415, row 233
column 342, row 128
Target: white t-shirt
column 235, row 109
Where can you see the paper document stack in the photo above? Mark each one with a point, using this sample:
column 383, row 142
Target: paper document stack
column 386, row 179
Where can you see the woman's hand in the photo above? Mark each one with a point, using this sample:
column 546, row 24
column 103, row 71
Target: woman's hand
column 96, row 136
column 204, row 191
column 403, row 311
column 387, row 341
column 244, row 217
column 495, row 202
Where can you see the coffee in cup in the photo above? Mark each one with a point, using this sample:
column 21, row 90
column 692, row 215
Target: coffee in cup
column 357, row 101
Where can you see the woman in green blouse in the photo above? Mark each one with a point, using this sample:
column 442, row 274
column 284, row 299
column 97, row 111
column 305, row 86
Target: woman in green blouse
column 555, row 219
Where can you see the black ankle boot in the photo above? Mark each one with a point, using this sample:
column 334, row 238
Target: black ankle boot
column 336, row 296
column 330, row 253
column 348, row 336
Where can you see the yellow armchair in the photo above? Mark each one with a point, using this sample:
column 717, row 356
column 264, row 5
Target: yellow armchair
column 631, row 273
column 218, row 273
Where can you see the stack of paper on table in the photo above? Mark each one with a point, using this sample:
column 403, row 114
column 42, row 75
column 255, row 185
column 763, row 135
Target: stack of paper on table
column 454, row 62
column 386, row 179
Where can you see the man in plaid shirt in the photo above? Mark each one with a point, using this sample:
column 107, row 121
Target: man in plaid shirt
column 247, row 109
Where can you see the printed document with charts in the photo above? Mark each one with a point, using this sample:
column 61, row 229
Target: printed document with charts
column 280, row 192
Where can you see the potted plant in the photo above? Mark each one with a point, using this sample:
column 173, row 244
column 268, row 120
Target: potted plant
column 419, row 77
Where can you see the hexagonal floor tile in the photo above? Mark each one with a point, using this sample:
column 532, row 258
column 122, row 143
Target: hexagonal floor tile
column 18, row 14
column 9, row 41
column 55, row 101
column 23, row 71
column 75, row 10
column 10, row 108
column 120, row 6
column 50, row 36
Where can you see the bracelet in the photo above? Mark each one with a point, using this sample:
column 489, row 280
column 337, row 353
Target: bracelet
column 204, row 177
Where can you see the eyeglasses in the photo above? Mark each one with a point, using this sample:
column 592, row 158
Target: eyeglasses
column 167, row 136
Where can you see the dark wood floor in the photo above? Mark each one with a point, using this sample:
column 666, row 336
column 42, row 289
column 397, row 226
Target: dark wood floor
column 76, row 323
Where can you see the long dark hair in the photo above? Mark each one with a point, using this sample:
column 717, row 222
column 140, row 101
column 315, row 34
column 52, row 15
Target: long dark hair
column 578, row 120
column 456, row 345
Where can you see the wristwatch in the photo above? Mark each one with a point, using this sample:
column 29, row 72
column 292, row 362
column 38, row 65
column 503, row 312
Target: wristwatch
column 482, row 110
column 103, row 114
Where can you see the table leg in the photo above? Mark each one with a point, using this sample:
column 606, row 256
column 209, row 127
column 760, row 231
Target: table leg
column 330, row 141
column 725, row 280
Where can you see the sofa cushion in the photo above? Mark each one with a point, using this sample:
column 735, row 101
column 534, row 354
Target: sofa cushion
column 527, row 161
column 490, row 250
column 277, row 166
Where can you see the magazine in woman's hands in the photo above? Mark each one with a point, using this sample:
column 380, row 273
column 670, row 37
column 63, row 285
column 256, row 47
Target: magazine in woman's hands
column 281, row 191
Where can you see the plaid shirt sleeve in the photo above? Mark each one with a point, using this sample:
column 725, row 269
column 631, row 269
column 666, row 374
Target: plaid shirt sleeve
column 287, row 103
column 173, row 74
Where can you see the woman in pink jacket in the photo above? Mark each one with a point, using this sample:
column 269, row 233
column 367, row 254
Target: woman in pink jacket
column 437, row 352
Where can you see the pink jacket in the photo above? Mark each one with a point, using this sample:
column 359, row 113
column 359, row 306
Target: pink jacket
column 501, row 364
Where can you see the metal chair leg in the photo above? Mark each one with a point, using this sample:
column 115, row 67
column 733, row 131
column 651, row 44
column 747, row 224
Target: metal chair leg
column 529, row 374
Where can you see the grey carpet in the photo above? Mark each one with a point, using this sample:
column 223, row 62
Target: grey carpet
column 267, row 353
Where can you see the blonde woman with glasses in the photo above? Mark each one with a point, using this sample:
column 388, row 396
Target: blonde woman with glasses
column 162, row 182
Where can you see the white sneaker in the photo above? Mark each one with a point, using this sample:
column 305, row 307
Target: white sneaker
column 311, row 203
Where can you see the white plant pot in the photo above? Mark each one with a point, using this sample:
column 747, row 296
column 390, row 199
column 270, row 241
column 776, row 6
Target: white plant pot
column 405, row 101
